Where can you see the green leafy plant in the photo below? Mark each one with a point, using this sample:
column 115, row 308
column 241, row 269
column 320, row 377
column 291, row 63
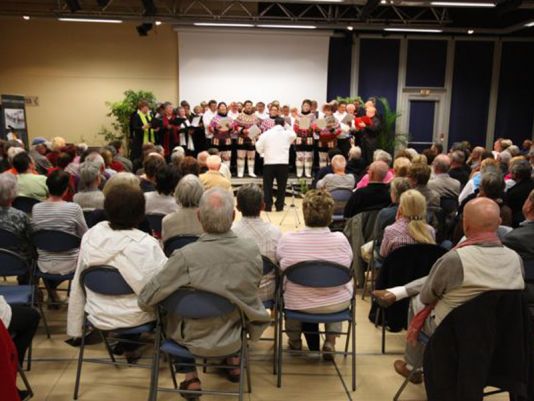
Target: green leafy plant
column 121, row 111
column 387, row 138
column 303, row 186
column 349, row 99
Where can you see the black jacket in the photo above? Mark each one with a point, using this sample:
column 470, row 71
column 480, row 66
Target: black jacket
column 484, row 342
column 374, row 196
column 516, row 196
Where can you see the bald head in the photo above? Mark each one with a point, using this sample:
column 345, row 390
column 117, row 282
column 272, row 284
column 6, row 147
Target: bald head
column 214, row 163
column 378, row 171
column 202, row 158
column 441, row 164
column 481, row 215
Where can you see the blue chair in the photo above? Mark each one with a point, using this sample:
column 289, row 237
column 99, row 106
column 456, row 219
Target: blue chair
column 341, row 197
column 106, row 280
column 154, row 220
column 268, row 267
column 54, row 241
column 24, row 203
column 177, row 242
column 8, row 240
column 318, row 274
column 189, row 303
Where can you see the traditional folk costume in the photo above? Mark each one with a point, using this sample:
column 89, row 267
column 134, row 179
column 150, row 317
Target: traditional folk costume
column 245, row 145
column 369, row 139
column 327, row 138
column 141, row 136
column 304, row 144
column 221, row 129
column 186, row 131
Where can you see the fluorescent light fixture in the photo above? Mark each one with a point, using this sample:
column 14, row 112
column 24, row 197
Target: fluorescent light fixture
column 287, row 26
column 106, row 21
column 26, row 17
column 470, row 31
column 530, row 24
column 158, row 23
column 460, row 4
column 421, row 30
column 223, row 24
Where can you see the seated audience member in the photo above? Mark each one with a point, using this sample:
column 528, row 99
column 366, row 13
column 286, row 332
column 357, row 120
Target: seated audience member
column 378, row 155
column 11, row 153
column 516, row 196
column 38, row 154
column 355, row 164
column 184, row 220
column 112, row 167
column 387, row 216
column 410, row 226
column 189, row 165
column 504, row 159
column 213, row 177
column 218, row 262
column 152, row 164
column 441, row 182
column 315, row 242
column 224, row 170
column 90, row 197
column 135, row 254
column 459, row 170
column 326, row 169
column 419, row 175
column 29, row 184
column 57, row 144
column 401, row 166
column 476, row 157
column 177, row 155
column 337, row 179
column 56, row 214
column 202, row 159
column 479, row 264
column 526, row 146
column 64, row 159
column 250, row 203
column 521, row 239
column 161, row 201
column 119, row 156
column 374, row 196
column 472, row 185
column 14, row 220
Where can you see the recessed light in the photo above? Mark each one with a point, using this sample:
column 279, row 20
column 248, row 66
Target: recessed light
column 425, row 30
column 158, row 23
column 470, row 31
column 106, row 21
column 460, row 4
column 229, row 25
column 350, row 28
column 287, row 26
column 530, row 24
column 26, row 17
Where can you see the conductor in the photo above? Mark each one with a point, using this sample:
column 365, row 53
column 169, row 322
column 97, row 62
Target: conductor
column 274, row 146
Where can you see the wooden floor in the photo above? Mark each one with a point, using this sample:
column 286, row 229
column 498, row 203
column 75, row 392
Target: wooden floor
column 306, row 378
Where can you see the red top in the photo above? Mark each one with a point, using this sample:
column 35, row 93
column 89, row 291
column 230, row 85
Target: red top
column 8, row 366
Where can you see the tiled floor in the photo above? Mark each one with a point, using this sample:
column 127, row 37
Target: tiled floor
column 306, row 378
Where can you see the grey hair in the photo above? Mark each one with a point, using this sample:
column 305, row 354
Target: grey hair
column 505, row 157
column 122, row 178
column 216, row 211
column 95, row 157
column 12, row 152
column 441, row 164
column 8, row 189
column 339, row 162
column 398, row 186
column 89, row 172
column 189, row 191
column 513, row 150
column 355, row 152
column 521, row 170
column 382, row 155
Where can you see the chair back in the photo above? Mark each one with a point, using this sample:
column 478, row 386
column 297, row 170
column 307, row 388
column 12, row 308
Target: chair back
column 268, row 265
column 154, row 220
column 12, row 264
column 55, row 241
column 105, row 280
column 190, row 303
column 528, row 265
column 318, row 274
column 8, row 240
column 449, row 205
column 341, row 197
column 177, row 242
column 24, row 203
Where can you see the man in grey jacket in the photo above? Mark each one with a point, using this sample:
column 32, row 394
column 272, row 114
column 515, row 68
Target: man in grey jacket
column 442, row 182
column 218, row 262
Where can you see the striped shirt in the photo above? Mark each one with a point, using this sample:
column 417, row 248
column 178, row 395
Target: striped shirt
column 397, row 235
column 317, row 243
column 60, row 216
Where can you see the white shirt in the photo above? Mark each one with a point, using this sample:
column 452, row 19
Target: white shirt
column 274, row 145
column 340, row 116
column 5, row 312
column 206, row 119
column 262, row 116
column 157, row 203
column 136, row 255
column 233, row 115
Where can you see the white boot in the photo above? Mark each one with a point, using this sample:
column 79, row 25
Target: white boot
column 240, row 167
column 308, row 164
column 251, row 163
column 299, row 164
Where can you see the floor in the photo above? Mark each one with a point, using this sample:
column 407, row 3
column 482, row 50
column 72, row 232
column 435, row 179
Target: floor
column 306, row 377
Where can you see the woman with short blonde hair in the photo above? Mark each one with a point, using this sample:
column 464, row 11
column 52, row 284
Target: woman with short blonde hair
column 401, row 166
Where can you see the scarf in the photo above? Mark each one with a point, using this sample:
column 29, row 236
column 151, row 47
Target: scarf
column 418, row 321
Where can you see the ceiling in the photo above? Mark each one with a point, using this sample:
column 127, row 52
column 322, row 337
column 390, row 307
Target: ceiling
column 507, row 18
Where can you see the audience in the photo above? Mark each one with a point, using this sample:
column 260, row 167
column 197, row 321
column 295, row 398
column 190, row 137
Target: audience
column 473, row 184
column 213, row 178
column 379, row 155
column 152, row 164
column 119, row 156
column 518, row 194
column 337, row 179
column 521, row 239
column 29, row 185
column 218, row 262
column 419, row 175
column 401, row 166
column 315, row 242
column 355, row 164
column 184, row 220
column 90, row 197
column 38, row 154
column 161, row 201
column 119, row 244
column 441, row 182
column 374, row 196
column 189, row 165
column 250, row 203
column 459, row 170
column 387, row 215
column 410, row 226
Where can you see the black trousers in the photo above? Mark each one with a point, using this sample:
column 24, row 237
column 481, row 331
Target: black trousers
column 23, row 325
column 271, row 172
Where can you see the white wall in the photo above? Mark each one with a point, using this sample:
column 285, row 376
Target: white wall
column 258, row 65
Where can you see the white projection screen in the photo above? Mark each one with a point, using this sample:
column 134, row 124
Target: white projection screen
column 260, row 65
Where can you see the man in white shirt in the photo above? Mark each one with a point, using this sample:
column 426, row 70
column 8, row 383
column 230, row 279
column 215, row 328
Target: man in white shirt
column 210, row 112
column 341, row 111
column 274, row 145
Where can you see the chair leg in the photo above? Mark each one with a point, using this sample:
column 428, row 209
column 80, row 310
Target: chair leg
column 276, row 339
column 347, row 341
column 247, row 369
column 402, row 387
column 204, row 365
column 154, row 374
column 353, row 341
column 173, row 374
column 108, row 347
column 45, row 321
column 279, row 350
column 242, row 367
column 29, row 357
column 80, row 360
column 364, row 289
column 26, row 382
column 383, row 313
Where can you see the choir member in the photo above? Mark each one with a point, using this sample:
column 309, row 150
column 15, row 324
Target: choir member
column 304, row 142
column 260, row 111
column 341, row 111
column 220, row 129
column 233, row 111
column 141, row 128
column 268, row 123
column 245, row 145
column 186, row 131
column 370, row 126
column 209, row 113
column 169, row 131
column 327, row 135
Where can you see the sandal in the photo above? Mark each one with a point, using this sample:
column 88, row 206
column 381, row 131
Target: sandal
column 233, row 377
column 185, row 386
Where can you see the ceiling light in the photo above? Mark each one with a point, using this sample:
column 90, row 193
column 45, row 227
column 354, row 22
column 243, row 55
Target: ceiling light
column 26, row 17
column 460, row 4
column 421, row 30
column 350, row 28
column 287, row 26
column 107, row 21
column 223, row 24
column 530, row 24
column 383, row 2
column 158, row 23
column 470, row 31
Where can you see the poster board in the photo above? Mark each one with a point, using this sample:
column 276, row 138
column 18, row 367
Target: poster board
column 13, row 118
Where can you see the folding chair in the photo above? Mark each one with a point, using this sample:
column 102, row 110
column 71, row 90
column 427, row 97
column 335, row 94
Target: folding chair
column 11, row 264
column 268, row 267
column 24, row 203
column 154, row 220
column 341, row 197
column 56, row 242
column 177, row 242
column 26, row 383
column 107, row 280
column 189, row 303
column 318, row 274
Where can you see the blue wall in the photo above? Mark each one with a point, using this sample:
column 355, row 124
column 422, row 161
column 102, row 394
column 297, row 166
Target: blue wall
column 339, row 67
column 425, row 63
